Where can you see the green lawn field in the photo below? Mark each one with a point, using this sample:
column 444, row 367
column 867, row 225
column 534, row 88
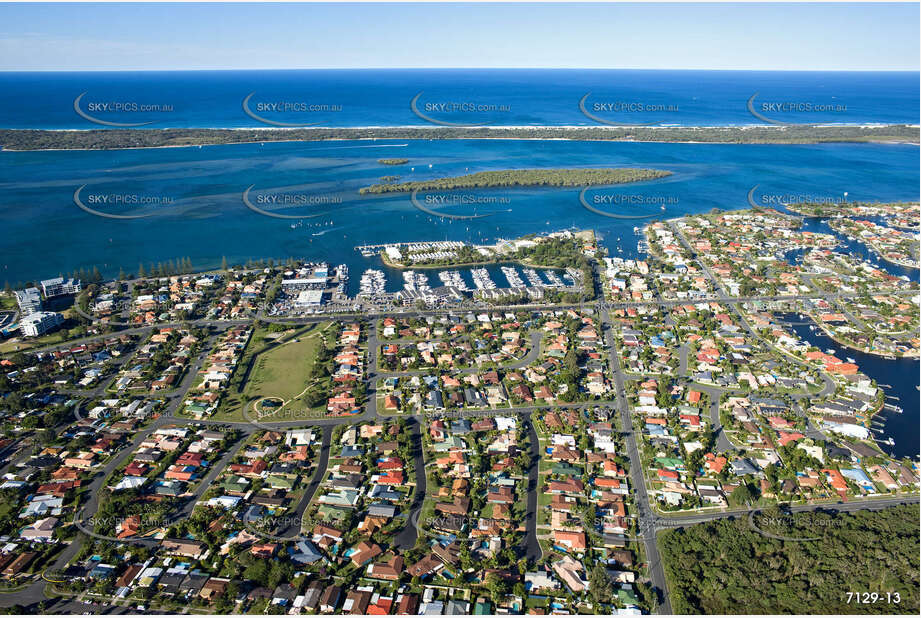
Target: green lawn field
column 280, row 370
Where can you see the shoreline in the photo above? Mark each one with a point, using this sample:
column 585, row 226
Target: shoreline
column 560, row 178
column 848, row 346
column 504, row 127
column 447, row 139
column 35, row 140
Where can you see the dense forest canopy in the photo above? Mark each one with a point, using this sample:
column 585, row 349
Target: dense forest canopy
column 101, row 139
column 727, row 567
column 524, row 178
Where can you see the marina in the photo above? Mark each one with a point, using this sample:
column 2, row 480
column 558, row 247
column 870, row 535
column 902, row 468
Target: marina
column 482, row 280
column 373, row 283
column 511, row 275
column 416, row 282
column 533, row 278
column 453, row 278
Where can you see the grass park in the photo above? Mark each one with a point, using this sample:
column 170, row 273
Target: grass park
column 276, row 373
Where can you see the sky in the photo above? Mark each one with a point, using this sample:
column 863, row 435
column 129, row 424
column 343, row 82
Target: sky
column 820, row 36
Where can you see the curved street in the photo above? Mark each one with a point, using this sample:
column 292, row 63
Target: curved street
column 648, row 521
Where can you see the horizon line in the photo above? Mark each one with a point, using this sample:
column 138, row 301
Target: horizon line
column 192, row 70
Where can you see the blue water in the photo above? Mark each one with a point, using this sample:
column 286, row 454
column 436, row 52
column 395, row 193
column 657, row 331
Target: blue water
column 45, row 233
column 855, row 248
column 900, row 377
column 204, row 216
column 897, row 377
column 513, row 97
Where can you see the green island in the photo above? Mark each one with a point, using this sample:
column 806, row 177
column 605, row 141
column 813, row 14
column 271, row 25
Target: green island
column 727, row 567
column 113, row 139
column 392, row 161
column 524, row 178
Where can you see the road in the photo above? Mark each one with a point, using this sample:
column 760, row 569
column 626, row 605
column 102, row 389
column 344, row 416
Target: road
column 683, row 352
column 295, row 528
column 296, row 320
column 862, row 504
column 723, row 445
column 532, row 549
column 649, row 523
column 406, row 538
column 645, row 516
column 216, row 468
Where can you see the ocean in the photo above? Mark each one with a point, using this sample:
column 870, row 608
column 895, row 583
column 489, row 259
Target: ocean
column 192, row 199
column 349, row 98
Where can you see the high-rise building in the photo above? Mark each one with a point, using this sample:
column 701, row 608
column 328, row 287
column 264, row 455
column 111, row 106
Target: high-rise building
column 29, row 300
column 60, row 286
column 39, row 323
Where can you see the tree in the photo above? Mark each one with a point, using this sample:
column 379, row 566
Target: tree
column 600, row 587
column 497, row 587
column 663, row 397
column 742, row 495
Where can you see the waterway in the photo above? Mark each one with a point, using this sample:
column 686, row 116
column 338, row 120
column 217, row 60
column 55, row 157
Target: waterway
column 898, row 378
column 192, row 198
